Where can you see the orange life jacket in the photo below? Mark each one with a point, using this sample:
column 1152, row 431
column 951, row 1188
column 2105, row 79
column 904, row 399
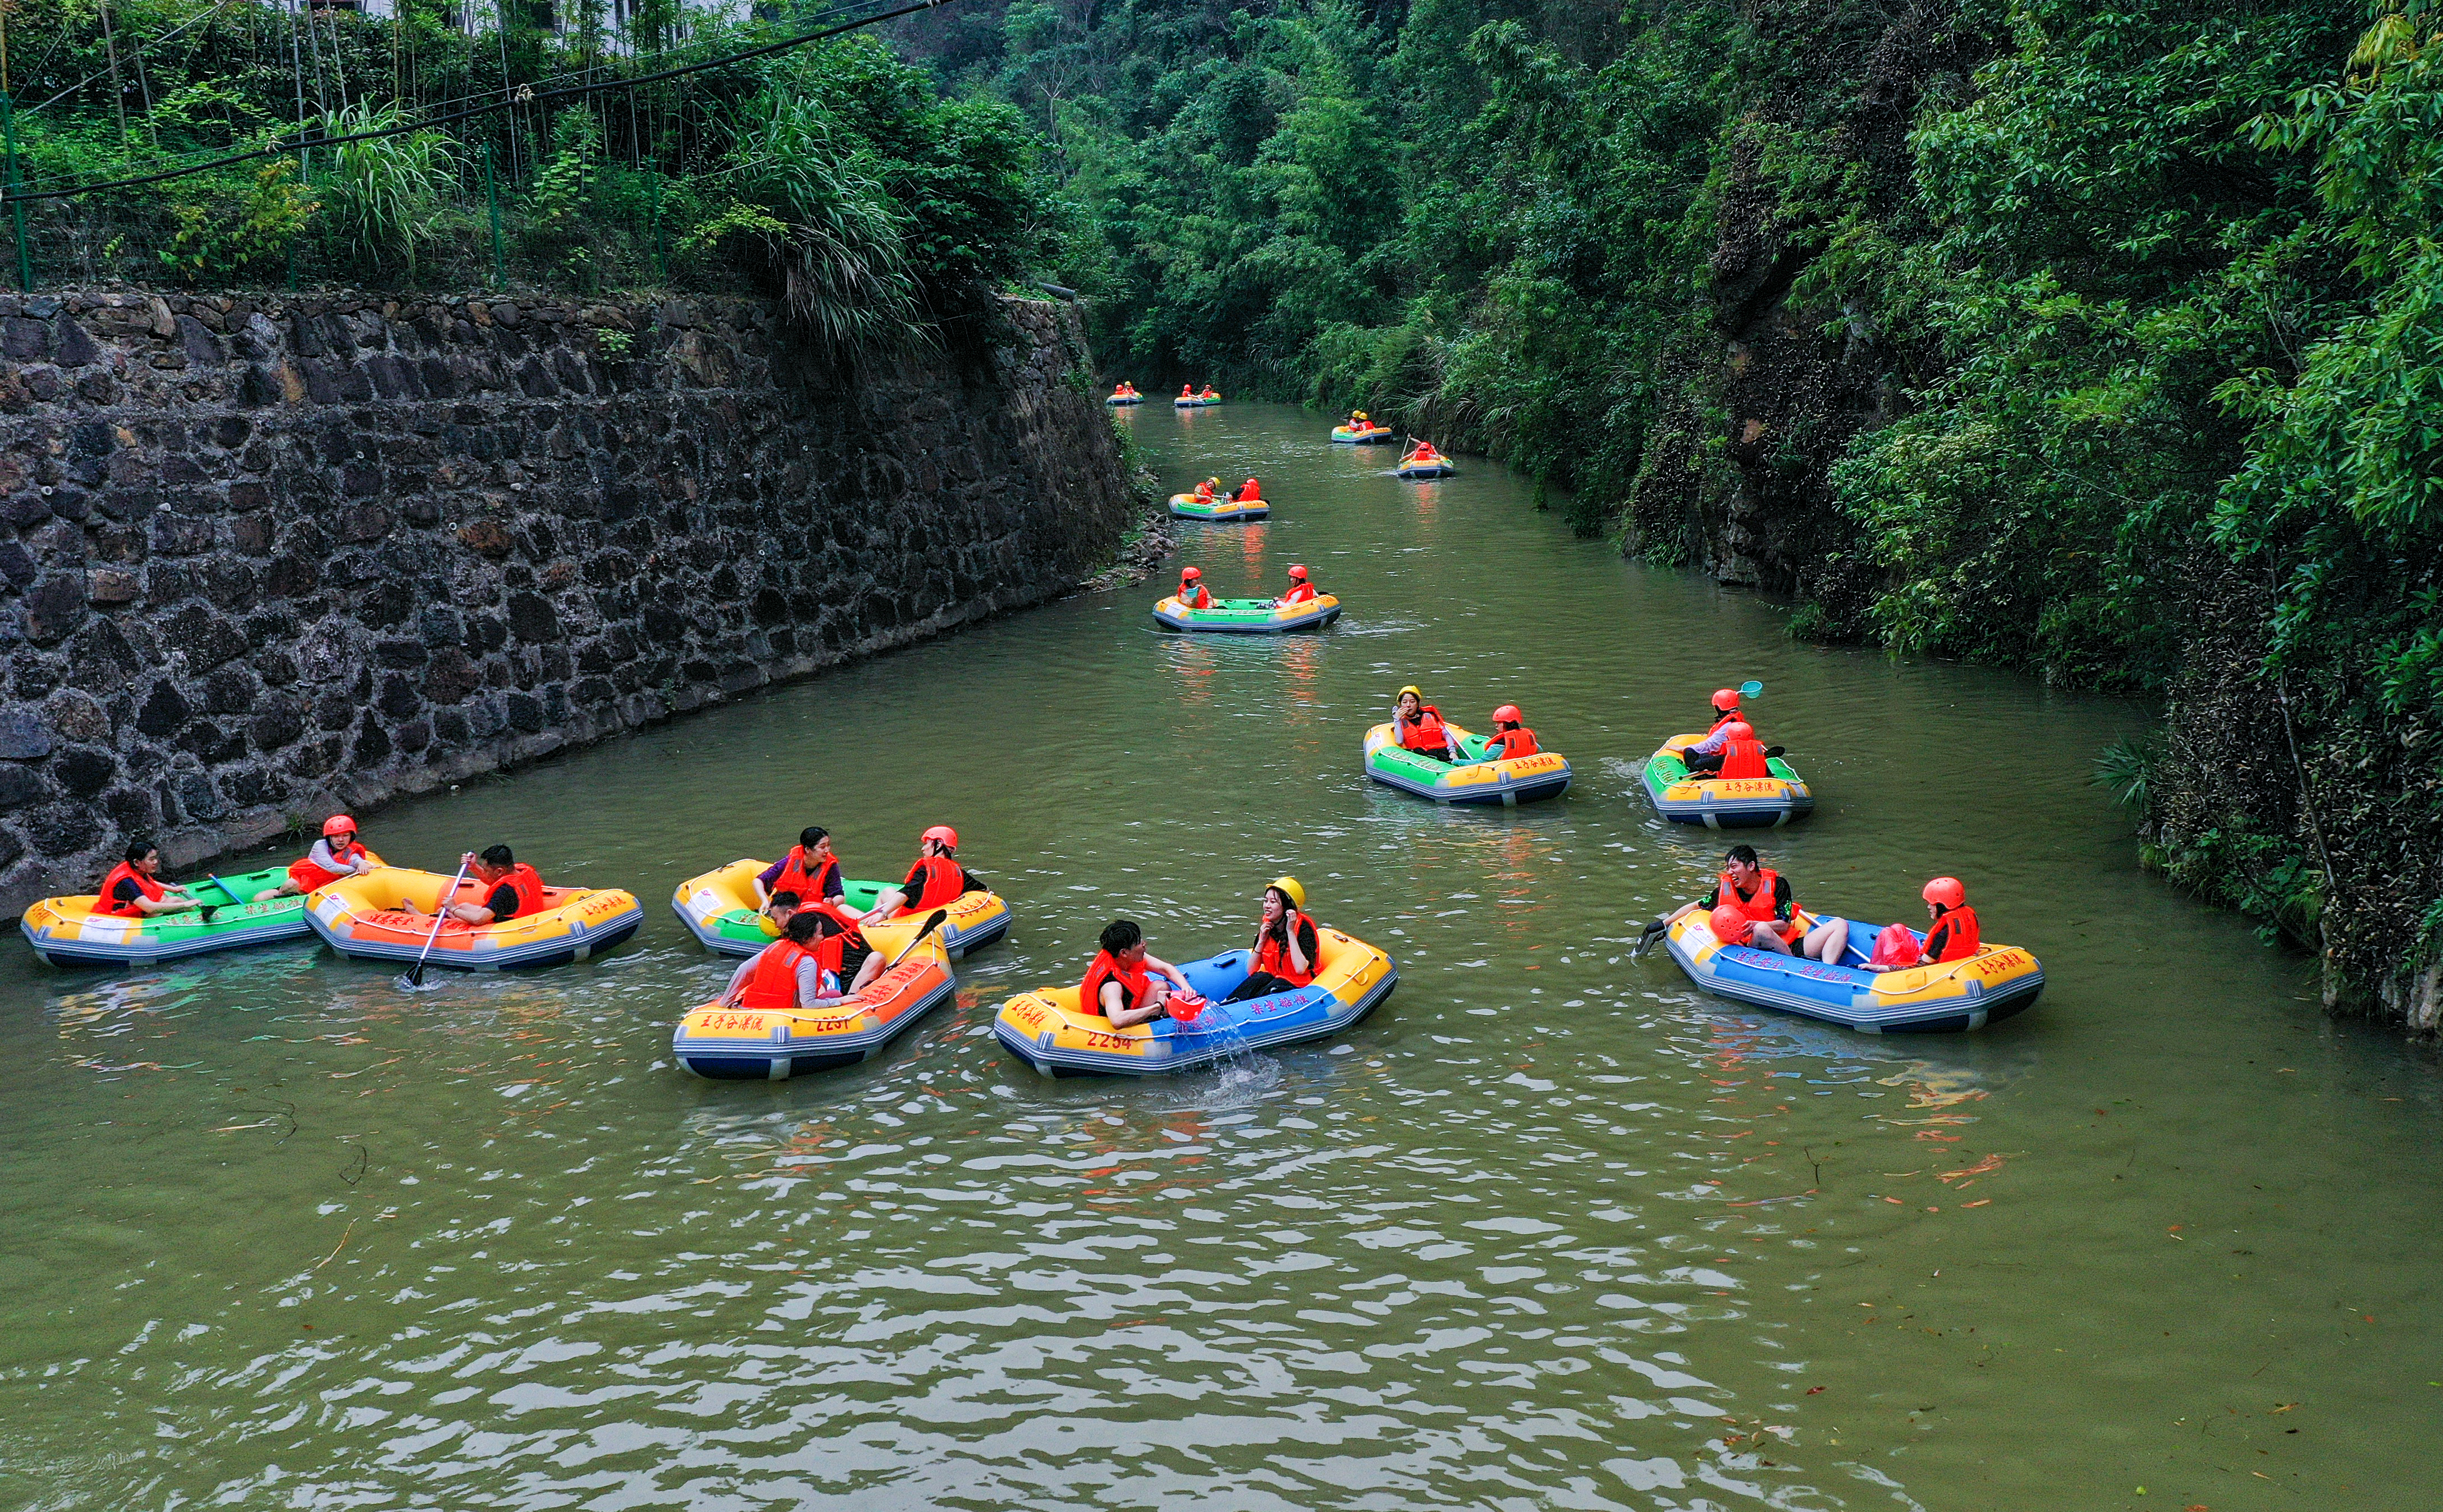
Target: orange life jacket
column 523, row 882
column 1299, row 593
column 795, row 878
column 1200, row 600
column 309, row 875
column 1188, row 391
column 1961, row 938
column 125, row 871
column 1426, row 733
column 945, row 880
column 1247, row 492
column 1744, row 758
column 1517, row 742
column 1135, row 981
column 773, row 987
column 1756, row 905
column 1273, row 955
column 1205, row 493
column 1723, row 718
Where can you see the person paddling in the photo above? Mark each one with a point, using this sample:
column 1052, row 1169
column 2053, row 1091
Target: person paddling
column 1285, row 948
column 1192, row 593
column 1751, row 905
column 511, row 890
column 1420, row 728
column 1511, row 737
column 1954, row 936
column 133, row 889
column 340, row 853
column 935, row 881
column 1424, row 452
column 1124, row 983
column 1301, row 588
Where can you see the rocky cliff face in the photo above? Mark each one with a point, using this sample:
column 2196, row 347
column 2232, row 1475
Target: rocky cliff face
column 262, row 556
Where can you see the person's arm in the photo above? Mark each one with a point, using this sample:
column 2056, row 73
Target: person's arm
column 1112, row 999
column 172, row 900
column 1178, row 977
column 1298, row 925
column 1784, row 905
column 737, row 988
column 764, row 881
column 810, row 983
column 500, row 903
column 1707, row 746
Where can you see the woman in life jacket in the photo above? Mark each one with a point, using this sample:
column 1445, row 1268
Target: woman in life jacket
column 1732, row 750
column 1285, row 944
column 133, row 889
column 934, row 880
column 338, row 853
column 1424, row 452
column 1301, row 588
column 1124, row 983
column 798, row 971
column 1420, row 726
column 1511, row 737
column 1752, row 896
column 1952, row 936
column 811, row 869
column 1249, row 493
column 511, row 890
column 1210, row 392
column 1191, row 590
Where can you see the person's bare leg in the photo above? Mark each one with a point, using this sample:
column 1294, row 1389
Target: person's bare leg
column 871, row 968
column 1765, row 937
column 1828, row 942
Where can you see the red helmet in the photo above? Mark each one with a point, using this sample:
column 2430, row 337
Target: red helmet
column 944, row 833
column 1508, row 714
column 1726, row 699
column 339, row 824
column 1297, row 570
column 1730, row 926
column 1739, row 729
column 1948, row 891
column 1189, row 575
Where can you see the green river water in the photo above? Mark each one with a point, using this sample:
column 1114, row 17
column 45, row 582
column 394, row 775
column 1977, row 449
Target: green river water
column 1548, row 1230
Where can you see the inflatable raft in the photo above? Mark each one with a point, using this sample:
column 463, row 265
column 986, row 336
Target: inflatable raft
column 1438, row 467
column 69, row 930
column 1360, row 435
column 1194, row 402
column 360, row 916
column 1220, row 511
column 1248, row 616
column 1986, row 988
column 737, row 1044
column 1476, row 778
column 1046, row 1028
column 1739, row 803
column 719, row 910
column 1124, row 399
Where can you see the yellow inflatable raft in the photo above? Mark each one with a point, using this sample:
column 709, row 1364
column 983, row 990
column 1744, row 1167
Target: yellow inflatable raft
column 736, row 1045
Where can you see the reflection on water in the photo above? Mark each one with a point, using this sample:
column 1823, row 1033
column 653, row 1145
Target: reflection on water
column 1548, row 1230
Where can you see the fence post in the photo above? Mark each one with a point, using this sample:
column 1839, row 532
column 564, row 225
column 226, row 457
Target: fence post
column 661, row 252
column 492, row 193
column 304, row 181
column 16, row 206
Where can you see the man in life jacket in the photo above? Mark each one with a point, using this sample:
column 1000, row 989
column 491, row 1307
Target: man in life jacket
column 1124, row 983
column 1424, row 452
column 812, row 871
column 1188, row 391
column 935, row 881
column 798, row 971
column 337, row 854
column 133, row 889
column 1285, row 947
column 1420, row 727
column 1952, row 936
column 1735, row 752
column 510, row 890
column 1249, row 493
column 1208, row 490
column 1511, row 737
column 1301, row 588
column 1191, row 590
column 1752, row 899
column 1210, row 392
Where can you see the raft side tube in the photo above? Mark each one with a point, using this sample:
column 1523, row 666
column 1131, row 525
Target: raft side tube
column 1998, row 982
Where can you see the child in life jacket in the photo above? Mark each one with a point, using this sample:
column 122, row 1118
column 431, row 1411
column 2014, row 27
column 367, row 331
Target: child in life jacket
column 338, row 853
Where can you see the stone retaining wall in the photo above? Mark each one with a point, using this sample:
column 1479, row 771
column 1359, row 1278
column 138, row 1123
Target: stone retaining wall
column 261, row 556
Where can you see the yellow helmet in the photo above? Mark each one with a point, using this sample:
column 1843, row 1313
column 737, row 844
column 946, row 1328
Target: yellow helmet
column 1411, row 688
column 1290, row 889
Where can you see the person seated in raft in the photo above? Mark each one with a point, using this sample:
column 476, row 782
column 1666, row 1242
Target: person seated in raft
column 1737, row 754
column 1753, row 900
column 1424, row 452
column 1208, row 490
column 133, row 889
column 1953, row 935
column 1285, row 944
column 1301, row 588
column 511, row 890
column 1210, row 392
column 337, row 854
column 936, row 880
column 810, row 870
column 1511, row 737
column 1420, row 726
column 1357, row 420
column 1249, row 493
column 1188, row 391
column 1125, row 984
column 1192, row 592
column 1706, row 754
column 794, row 972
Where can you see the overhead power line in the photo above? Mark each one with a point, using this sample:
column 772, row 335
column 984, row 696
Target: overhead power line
column 523, row 96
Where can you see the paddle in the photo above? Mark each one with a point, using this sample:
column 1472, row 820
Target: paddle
column 931, row 924
column 440, row 912
column 1653, row 932
column 226, row 891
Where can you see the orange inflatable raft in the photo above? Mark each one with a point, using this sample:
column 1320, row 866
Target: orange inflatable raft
column 360, row 916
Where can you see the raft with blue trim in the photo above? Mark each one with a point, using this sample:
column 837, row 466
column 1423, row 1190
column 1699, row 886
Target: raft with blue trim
column 73, row 931
column 739, row 1045
column 360, row 916
column 1478, row 777
column 1048, row 1030
column 1123, row 399
column 1248, row 616
column 1737, row 803
column 1218, row 511
column 1194, row 402
column 719, row 910
column 1360, row 435
column 1995, row 983
column 1434, row 467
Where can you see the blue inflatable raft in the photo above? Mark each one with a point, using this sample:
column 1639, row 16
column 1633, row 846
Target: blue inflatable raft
column 1986, row 988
